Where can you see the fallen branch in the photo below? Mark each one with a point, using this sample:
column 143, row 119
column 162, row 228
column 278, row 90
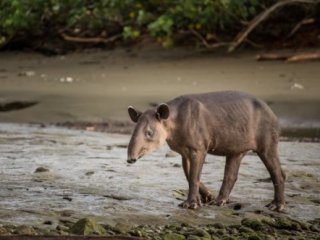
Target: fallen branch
column 255, row 45
column 272, row 57
column 201, row 38
column 90, row 40
column 289, row 57
column 260, row 18
column 300, row 24
column 304, row 57
column 205, row 43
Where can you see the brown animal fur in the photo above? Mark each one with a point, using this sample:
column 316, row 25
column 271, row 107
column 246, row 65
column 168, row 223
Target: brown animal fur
column 221, row 123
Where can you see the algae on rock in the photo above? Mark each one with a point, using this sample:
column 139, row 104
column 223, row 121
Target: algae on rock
column 254, row 224
column 87, row 226
column 174, row 236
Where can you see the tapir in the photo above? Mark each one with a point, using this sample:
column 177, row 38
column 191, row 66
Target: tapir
column 227, row 123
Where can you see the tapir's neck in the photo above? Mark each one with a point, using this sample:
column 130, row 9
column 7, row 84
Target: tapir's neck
column 169, row 128
column 170, row 123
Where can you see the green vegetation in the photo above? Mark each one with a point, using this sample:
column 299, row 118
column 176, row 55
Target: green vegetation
column 166, row 21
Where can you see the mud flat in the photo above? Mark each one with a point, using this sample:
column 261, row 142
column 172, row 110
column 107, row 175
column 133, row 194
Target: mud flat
column 98, row 86
column 52, row 177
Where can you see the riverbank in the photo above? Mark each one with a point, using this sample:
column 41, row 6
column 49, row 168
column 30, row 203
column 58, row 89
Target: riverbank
column 98, row 86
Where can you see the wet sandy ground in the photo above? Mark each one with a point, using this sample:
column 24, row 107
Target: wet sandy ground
column 88, row 176
column 99, row 85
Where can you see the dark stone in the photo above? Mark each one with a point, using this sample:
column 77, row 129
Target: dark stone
column 287, row 223
column 67, row 198
column 219, row 225
column 41, row 169
column 25, row 230
column 3, row 231
column 89, row 173
column 254, row 224
column 87, row 226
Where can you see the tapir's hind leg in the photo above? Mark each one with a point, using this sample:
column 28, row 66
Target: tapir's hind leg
column 270, row 158
column 206, row 195
column 230, row 177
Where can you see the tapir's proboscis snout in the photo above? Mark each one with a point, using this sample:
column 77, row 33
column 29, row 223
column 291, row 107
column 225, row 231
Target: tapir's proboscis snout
column 226, row 123
column 131, row 161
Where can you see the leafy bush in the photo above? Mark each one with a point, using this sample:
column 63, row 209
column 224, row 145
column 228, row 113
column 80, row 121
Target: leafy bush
column 161, row 19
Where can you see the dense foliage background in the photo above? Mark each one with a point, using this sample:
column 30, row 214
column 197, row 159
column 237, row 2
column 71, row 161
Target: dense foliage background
column 108, row 21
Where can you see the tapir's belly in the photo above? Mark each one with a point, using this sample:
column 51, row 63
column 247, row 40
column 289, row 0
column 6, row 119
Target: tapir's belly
column 230, row 144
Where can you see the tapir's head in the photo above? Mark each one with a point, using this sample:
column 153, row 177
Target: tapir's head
column 149, row 133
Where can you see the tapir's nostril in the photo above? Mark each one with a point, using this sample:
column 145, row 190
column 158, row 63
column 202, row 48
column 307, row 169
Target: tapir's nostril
column 131, row 160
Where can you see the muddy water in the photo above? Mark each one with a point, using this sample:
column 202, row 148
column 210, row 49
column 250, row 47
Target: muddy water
column 97, row 86
column 88, row 176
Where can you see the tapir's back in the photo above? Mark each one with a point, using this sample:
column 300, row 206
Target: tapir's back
column 222, row 99
column 234, row 120
column 227, row 103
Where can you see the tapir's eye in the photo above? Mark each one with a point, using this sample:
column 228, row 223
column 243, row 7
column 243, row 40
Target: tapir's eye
column 149, row 134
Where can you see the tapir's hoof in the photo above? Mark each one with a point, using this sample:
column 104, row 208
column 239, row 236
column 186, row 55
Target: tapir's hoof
column 131, row 161
column 274, row 206
column 220, row 201
column 207, row 197
column 190, row 204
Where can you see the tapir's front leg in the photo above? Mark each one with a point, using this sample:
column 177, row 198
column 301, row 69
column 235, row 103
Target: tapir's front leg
column 196, row 160
column 205, row 194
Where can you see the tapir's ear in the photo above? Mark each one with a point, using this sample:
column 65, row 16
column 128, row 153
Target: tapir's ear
column 134, row 114
column 163, row 111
